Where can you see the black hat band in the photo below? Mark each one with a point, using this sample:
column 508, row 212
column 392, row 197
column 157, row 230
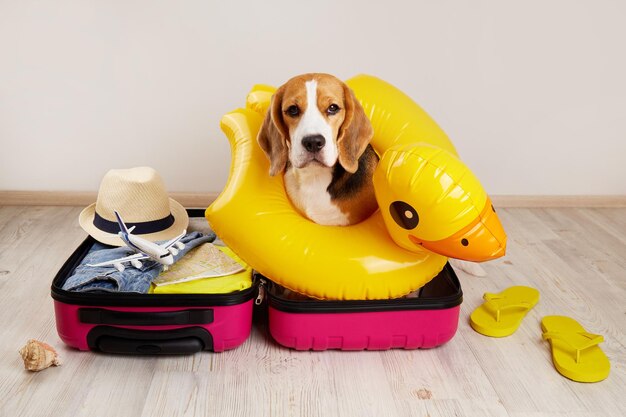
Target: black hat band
column 141, row 228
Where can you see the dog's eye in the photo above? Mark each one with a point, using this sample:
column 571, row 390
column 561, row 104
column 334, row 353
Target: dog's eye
column 332, row 109
column 404, row 215
column 293, row 110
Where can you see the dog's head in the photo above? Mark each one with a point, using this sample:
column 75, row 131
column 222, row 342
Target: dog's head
column 314, row 118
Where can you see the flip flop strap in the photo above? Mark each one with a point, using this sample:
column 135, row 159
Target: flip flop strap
column 492, row 300
column 592, row 340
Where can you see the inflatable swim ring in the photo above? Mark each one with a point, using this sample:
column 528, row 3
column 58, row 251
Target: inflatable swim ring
column 254, row 217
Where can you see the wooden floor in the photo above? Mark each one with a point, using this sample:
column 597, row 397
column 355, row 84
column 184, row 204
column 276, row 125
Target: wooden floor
column 575, row 257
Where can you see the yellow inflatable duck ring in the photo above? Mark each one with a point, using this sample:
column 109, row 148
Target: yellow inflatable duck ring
column 431, row 207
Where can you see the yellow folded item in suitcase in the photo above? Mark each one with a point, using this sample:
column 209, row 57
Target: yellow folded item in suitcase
column 217, row 285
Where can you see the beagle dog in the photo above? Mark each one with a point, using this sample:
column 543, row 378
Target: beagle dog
column 317, row 135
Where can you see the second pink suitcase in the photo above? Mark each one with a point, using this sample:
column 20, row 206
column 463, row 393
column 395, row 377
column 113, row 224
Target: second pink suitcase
column 427, row 321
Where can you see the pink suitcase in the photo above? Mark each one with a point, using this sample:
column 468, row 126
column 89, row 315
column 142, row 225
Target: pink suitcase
column 408, row 323
column 129, row 323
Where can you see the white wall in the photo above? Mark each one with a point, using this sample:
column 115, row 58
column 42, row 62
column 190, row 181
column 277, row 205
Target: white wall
column 533, row 92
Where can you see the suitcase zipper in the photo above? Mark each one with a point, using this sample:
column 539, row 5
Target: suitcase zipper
column 261, row 295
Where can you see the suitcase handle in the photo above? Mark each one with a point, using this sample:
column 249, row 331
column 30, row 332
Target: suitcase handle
column 124, row 341
column 182, row 346
column 151, row 318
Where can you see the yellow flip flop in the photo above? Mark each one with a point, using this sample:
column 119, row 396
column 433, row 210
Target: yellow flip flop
column 501, row 314
column 575, row 352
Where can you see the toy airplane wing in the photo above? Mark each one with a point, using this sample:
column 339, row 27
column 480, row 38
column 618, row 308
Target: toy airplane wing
column 175, row 241
column 120, row 261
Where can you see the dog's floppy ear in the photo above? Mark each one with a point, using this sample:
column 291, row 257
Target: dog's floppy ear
column 273, row 135
column 354, row 134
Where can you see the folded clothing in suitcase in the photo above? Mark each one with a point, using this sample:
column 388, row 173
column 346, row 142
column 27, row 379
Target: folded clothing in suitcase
column 426, row 321
column 237, row 281
column 133, row 323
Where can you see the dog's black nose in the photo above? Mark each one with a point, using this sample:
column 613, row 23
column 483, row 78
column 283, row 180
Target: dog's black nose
column 313, row 143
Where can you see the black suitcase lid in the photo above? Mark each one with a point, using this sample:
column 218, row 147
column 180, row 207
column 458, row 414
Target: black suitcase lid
column 443, row 291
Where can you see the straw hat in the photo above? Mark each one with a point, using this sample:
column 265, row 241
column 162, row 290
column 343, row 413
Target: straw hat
column 139, row 195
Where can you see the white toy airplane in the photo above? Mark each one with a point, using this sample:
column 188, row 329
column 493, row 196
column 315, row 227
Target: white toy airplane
column 163, row 254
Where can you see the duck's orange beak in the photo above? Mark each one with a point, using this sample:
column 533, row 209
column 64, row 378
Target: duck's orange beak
column 481, row 240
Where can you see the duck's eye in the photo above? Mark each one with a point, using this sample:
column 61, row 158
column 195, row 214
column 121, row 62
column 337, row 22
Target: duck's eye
column 404, row 214
column 332, row 109
column 293, row 110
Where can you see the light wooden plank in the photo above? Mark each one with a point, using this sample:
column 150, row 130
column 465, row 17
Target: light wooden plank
column 440, row 381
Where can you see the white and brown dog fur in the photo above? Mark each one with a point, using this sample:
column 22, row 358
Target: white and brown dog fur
column 317, row 134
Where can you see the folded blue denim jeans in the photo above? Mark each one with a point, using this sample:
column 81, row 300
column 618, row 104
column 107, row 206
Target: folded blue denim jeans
column 109, row 279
